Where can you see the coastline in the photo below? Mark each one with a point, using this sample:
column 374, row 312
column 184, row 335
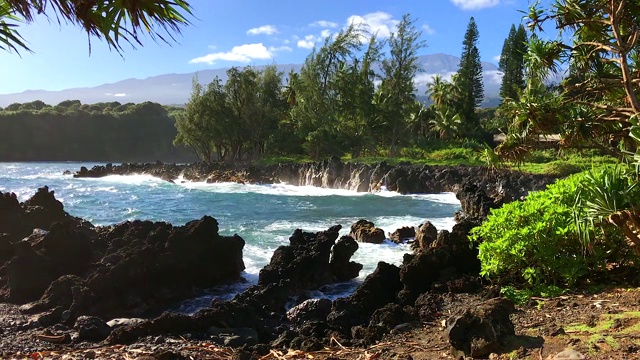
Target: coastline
column 443, row 263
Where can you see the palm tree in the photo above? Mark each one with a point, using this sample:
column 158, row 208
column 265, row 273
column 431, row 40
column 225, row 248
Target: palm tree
column 446, row 123
column 114, row 21
column 437, row 90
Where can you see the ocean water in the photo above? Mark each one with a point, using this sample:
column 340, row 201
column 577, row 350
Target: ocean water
column 263, row 215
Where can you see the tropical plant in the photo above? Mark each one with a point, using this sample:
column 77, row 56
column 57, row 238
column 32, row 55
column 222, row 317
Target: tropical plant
column 116, row 22
column 536, row 241
column 446, row 123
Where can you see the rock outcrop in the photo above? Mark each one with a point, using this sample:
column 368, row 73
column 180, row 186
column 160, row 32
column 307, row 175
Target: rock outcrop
column 64, row 268
column 481, row 329
column 365, row 231
column 503, row 185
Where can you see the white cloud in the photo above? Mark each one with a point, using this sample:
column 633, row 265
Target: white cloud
column 308, row 42
column 264, row 29
column 242, row 53
column 475, row 4
column 496, row 58
column 493, row 77
column 423, row 79
column 324, row 24
column 428, row 29
column 274, row 49
column 380, row 23
column 120, row 95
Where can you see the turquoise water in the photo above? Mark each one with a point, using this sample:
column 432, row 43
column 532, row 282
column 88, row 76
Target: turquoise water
column 264, row 215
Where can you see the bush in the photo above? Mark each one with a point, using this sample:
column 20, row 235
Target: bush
column 562, row 168
column 536, row 241
column 453, row 154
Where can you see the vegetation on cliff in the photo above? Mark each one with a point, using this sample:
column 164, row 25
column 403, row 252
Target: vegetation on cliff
column 71, row 131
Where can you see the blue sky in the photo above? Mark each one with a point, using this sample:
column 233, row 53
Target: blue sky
column 245, row 32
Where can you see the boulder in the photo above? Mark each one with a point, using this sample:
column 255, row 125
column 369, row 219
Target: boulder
column 403, row 234
column 425, row 235
column 91, row 328
column 312, row 309
column 120, row 322
column 481, row 329
column 366, row 231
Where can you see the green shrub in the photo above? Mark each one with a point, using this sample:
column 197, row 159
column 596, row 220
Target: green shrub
column 561, row 168
column 452, row 154
column 536, row 241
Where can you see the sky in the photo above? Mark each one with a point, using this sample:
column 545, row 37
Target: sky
column 225, row 33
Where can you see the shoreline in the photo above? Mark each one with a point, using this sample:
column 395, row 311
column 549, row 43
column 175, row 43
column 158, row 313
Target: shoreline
column 441, row 263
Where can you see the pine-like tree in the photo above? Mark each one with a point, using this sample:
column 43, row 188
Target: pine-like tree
column 469, row 79
column 512, row 63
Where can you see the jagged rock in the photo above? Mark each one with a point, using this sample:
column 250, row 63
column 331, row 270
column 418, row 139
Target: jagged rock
column 378, row 289
column 366, row 231
column 403, row 234
column 59, row 293
column 428, row 305
column 475, row 202
column 13, row 222
column 443, row 260
column 383, row 320
column 307, row 261
column 149, row 265
column 312, row 309
column 91, row 328
column 6, row 248
column 43, row 209
column 28, row 274
column 425, row 235
column 481, row 329
column 341, row 267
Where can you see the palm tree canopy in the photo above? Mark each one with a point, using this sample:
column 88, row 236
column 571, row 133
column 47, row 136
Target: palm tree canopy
column 116, row 22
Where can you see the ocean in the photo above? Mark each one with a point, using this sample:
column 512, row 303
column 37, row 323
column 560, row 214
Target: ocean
column 263, row 215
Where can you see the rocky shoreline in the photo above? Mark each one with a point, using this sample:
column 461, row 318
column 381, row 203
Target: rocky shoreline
column 65, row 284
column 501, row 185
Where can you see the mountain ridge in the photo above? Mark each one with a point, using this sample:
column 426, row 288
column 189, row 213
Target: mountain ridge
column 175, row 88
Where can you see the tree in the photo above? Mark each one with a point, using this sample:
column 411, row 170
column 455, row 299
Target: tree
column 603, row 55
column 446, row 123
column 116, row 22
column 512, row 63
column 316, row 111
column 397, row 89
column 469, row 79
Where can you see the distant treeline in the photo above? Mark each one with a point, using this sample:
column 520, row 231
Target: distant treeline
column 72, row 131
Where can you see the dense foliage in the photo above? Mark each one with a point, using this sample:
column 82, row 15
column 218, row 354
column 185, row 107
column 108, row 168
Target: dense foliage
column 72, row 131
column 537, row 241
column 512, row 63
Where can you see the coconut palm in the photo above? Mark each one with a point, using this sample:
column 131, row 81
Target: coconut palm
column 116, row 22
column 446, row 123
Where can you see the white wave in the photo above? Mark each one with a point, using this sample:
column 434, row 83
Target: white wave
column 134, row 179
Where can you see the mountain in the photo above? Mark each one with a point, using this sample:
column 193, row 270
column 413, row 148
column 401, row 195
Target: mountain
column 174, row 89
